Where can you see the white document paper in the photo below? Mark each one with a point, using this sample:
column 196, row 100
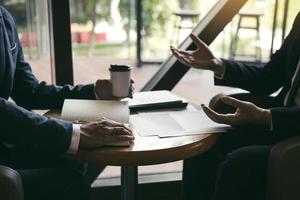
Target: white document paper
column 88, row 110
column 171, row 124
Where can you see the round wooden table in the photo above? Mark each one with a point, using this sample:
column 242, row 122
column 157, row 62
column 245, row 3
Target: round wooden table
column 145, row 151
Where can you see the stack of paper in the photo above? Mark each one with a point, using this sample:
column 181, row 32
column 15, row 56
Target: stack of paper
column 88, row 110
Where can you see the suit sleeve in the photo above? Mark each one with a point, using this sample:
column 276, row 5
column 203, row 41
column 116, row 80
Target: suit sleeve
column 33, row 132
column 286, row 121
column 269, row 78
column 29, row 93
column 257, row 79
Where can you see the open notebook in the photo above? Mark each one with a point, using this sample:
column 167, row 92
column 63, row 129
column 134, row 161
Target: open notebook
column 75, row 110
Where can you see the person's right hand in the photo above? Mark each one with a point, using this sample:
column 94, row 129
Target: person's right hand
column 103, row 90
column 103, row 131
column 201, row 58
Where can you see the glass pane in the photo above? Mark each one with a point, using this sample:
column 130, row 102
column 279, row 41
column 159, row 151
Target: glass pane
column 103, row 33
column 252, row 41
column 168, row 23
column 102, row 28
column 33, row 27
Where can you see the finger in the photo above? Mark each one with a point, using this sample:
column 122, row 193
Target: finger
column 132, row 88
column 219, row 118
column 116, row 139
column 234, row 102
column 131, row 91
column 182, row 57
column 175, row 53
column 197, row 41
column 125, row 138
column 179, row 57
column 120, row 126
column 103, row 121
column 126, row 128
column 80, row 122
column 186, row 53
column 120, row 131
column 113, row 124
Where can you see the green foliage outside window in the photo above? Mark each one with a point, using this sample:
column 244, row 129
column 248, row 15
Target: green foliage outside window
column 156, row 14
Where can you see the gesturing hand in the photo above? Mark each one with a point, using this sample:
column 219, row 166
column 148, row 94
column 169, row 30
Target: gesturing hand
column 201, row 58
column 103, row 131
column 246, row 114
column 103, row 89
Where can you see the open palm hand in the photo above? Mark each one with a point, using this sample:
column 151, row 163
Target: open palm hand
column 201, row 58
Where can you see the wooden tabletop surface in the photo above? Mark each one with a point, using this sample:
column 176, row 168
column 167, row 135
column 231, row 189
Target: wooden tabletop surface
column 145, row 150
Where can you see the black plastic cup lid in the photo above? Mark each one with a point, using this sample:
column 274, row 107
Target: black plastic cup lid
column 119, row 68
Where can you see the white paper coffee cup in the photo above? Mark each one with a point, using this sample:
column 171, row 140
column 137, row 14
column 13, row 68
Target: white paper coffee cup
column 120, row 76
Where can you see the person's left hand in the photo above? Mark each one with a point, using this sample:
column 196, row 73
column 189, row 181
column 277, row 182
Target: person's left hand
column 246, row 114
column 103, row 90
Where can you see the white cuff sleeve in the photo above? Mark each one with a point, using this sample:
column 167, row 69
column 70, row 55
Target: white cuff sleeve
column 75, row 140
column 220, row 76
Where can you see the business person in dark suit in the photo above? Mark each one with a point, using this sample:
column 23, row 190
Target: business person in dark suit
column 236, row 167
column 33, row 144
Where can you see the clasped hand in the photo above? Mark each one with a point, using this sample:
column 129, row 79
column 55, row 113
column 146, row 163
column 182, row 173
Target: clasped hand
column 246, row 114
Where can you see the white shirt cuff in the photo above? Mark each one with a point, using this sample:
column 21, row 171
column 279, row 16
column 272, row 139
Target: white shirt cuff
column 220, row 76
column 75, row 140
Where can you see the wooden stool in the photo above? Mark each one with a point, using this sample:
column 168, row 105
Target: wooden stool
column 184, row 15
column 251, row 15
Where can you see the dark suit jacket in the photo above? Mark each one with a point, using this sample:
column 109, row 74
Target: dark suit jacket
column 265, row 80
column 19, row 126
